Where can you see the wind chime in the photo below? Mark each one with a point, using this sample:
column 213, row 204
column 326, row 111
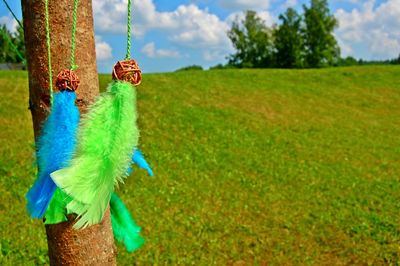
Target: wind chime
column 81, row 161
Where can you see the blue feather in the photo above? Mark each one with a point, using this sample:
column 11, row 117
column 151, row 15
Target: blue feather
column 54, row 149
column 139, row 159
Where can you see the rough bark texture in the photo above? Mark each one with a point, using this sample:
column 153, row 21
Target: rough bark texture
column 94, row 245
column 90, row 246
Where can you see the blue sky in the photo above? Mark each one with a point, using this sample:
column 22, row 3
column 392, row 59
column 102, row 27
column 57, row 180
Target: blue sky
column 173, row 34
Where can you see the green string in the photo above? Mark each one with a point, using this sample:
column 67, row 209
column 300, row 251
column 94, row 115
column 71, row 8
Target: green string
column 128, row 44
column 46, row 8
column 73, row 39
column 8, row 38
column 12, row 13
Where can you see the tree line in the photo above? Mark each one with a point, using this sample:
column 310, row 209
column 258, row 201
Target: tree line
column 303, row 40
column 299, row 41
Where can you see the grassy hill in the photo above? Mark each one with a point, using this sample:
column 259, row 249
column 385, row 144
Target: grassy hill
column 252, row 167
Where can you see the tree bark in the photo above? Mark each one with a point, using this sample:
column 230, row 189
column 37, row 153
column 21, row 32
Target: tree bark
column 93, row 245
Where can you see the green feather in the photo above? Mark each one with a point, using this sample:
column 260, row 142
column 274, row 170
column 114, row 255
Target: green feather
column 124, row 227
column 56, row 212
column 106, row 137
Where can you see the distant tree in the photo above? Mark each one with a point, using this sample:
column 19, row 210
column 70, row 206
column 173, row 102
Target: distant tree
column 222, row 66
column 218, row 66
column 320, row 45
column 348, row 61
column 395, row 61
column 19, row 42
column 192, row 67
column 252, row 40
column 288, row 40
column 8, row 53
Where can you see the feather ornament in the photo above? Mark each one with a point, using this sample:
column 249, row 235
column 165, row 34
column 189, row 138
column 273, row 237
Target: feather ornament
column 139, row 160
column 124, row 227
column 55, row 147
column 103, row 154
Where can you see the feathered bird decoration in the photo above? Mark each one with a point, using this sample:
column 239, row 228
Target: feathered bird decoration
column 55, row 147
column 124, row 227
column 103, row 154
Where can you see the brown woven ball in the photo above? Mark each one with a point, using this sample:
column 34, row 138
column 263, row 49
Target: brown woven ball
column 67, row 80
column 127, row 70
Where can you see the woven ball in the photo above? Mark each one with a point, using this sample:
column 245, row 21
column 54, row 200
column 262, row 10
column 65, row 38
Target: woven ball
column 127, row 70
column 67, row 80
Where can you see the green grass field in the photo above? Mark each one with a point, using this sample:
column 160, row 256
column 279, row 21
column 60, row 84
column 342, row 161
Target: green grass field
column 253, row 167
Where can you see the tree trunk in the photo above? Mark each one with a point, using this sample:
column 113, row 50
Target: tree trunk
column 93, row 245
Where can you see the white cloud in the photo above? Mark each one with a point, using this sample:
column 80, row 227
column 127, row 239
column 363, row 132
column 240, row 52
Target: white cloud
column 244, row 4
column 350, row 1
column 110, row 16
column 187, row 25
column 198, row 28
column 103, row 49
column 345, row 49
column 10, row 22
column 290, row 3
column 151, row 51
column 377, row 29
column 264, row 15
column 213, row 55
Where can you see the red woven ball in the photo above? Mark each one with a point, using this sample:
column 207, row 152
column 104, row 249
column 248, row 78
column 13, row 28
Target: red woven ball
column 127, row 70
column 67, row 80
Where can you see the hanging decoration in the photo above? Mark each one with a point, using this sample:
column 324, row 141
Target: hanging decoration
column 105, row 140
column 56, row 144
column 57, row 140
column 55, row 147
column 106, row 137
